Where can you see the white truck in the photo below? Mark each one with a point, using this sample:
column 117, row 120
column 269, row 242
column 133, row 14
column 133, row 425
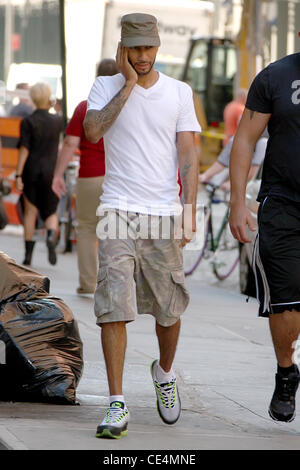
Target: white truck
column 92, row 32
column 178, row 21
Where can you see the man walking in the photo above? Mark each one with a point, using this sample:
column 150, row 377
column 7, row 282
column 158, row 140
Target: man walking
column 274, row 99
column 148, row 122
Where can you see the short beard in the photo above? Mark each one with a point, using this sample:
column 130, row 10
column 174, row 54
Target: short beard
column 141, row 74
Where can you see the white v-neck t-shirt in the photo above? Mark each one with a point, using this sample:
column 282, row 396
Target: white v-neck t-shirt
column 141, row 163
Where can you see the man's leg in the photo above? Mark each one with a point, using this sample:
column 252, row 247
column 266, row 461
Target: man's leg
column 167, row 340
column 114, row 340
column 285, row 328
column 163, row 292
column 114, row 307
column 278, row 261
column 164, row 378
column 88, row 192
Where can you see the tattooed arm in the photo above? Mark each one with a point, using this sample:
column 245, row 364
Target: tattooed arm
column 251, row 126
column 189, row 171
column 96, row 123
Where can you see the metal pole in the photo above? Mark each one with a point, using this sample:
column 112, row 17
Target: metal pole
column 258, row 33
column 290, row 43
column 63, row 59
column 8, row 31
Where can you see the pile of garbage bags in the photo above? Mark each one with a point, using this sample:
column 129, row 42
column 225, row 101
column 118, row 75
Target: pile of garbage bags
column 41, row 354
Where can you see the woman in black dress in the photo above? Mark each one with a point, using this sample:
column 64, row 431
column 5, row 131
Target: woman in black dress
column 38, row 147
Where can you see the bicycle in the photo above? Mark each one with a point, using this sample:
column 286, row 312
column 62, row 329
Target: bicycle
column 217, row 244
column 67, row 209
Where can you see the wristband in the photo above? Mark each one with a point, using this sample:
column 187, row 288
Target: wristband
column 18, row 176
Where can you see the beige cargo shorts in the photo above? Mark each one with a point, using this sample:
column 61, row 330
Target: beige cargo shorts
column 139, row 271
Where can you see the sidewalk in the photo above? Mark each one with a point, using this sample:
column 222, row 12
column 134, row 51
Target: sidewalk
column 225, row 366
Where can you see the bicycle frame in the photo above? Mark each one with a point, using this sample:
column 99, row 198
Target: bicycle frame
column 67, row 208
column 212, row 236
column 214, row 241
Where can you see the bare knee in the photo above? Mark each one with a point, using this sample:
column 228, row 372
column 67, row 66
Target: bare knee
column 113, row 328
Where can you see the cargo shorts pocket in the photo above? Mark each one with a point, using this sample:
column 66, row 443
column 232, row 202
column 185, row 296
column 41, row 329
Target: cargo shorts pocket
column 103, row 293
column 179, row 296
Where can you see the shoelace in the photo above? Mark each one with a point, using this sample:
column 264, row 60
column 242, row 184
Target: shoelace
column 115, row 414
column 167, row 393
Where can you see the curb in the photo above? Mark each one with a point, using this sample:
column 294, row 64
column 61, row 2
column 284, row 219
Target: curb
column 10, row 441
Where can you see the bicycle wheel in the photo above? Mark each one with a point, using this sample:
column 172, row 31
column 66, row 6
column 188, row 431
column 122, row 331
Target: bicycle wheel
column 65, row 225
column 65, row 234
column 194, row 251
column 226, row 256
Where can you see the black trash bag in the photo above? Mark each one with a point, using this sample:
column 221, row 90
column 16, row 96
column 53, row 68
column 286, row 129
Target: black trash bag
column 43, row 357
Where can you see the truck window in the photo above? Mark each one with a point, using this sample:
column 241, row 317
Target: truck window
column 197, row 69
column 223, row 63
column 210, row 69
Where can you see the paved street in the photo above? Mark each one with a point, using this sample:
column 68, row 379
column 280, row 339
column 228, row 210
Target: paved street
column 224, row 363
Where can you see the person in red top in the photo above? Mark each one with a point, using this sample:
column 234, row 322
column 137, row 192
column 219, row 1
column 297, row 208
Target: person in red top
column 232, row 114
column 89, row 187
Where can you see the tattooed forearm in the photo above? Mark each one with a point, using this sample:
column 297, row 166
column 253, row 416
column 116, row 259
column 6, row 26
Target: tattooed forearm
column 185, row 172
column 188, row 166
column 189, row 176
column 96, row 123
column 251, row 114
column 108, row 115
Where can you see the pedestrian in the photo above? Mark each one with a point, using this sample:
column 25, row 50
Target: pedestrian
column 223, row 160
column 232, row 113
column 38, row 146
column 274, row 99
column 24, row 107
column 88, row 189
column 148, row 122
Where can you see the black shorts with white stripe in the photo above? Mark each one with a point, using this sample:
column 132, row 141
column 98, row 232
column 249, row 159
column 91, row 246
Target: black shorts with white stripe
column 276, row 258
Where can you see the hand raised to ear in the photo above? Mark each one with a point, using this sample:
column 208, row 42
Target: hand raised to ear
column 124, row 66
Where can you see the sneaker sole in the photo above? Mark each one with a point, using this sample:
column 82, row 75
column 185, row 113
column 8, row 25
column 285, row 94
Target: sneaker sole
column 281, row 420
column 106, row 433
column 157, row 405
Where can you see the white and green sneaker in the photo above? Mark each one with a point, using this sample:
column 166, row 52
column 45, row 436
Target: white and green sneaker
column 115, row 422
column 168, row 400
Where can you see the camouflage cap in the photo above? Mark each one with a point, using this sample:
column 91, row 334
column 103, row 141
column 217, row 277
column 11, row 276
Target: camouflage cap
column 139, row 29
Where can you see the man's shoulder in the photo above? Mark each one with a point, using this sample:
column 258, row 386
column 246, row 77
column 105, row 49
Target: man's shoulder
column 182, row 89
column 82, row 105
column 21, row 110
column 112, row 80
column 80, row 109
column 283, row 64
column 78, row 114
column 174, row 81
